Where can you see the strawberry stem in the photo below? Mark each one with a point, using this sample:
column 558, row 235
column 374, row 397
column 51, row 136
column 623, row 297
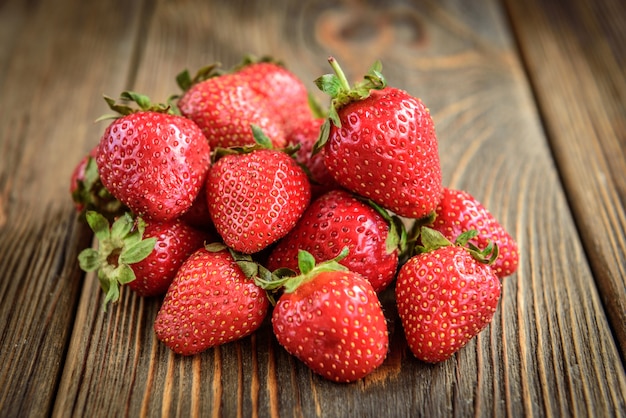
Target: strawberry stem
column 343, row 81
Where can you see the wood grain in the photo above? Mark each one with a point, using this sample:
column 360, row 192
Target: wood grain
column 582, row 94
column 549, row 351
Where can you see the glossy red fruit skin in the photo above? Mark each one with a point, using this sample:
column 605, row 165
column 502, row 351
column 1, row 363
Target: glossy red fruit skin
column 176, row 241
column 256, row 198
column 305, row 135
column 285, row 94
column 155, row 163
column 334, row 324
column 333, row 221
column 387, row 150
column 458, row 212
column 224, row 107
column 209, row 303
column 444, row 299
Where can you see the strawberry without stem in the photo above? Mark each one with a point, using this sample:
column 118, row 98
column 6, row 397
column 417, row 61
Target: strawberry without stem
column 210, row 302
column 331, row 319
column 445, row 297
column 154, row 162
column 380, row 143
column 256, row 197
column 337, row 220
column 459, row 212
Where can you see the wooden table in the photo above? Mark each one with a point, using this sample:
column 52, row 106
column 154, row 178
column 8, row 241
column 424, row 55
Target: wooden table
column 528, row 100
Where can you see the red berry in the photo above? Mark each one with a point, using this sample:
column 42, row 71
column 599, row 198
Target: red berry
column 210, row 302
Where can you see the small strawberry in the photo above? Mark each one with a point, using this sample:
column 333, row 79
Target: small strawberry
column 305, row 135
column 445, row 296
column 210, row 302
column 175, row 242
column 332, row 320
column 224, row 106
column 380, row 143
column 285, row 94
column 459, row 212
column 120, row 245
column 88, row 192
column 153, row 161
column 336, row 220
column 255, row 197
column 144, row 256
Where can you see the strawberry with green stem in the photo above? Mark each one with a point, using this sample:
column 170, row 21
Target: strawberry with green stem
column 152, row 160
column 380, row 143
column 446, row 294
column 331, row 319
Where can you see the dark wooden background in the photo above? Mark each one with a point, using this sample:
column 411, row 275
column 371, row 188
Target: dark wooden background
column 528, row 99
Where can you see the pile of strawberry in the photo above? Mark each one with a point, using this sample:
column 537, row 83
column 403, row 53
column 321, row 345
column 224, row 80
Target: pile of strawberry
column 240, row 199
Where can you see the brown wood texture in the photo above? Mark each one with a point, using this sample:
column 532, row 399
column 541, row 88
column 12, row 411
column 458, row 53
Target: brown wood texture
column 582, row 94
column 528, row 102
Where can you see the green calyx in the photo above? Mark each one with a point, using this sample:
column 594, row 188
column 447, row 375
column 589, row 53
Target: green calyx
column 397, row 238
column 338, row 88
column 185, row 81
column 432, row 240
column 91, row 194
column 287, row 281
column 119, row 246
column 142, row 102
column 261, row 142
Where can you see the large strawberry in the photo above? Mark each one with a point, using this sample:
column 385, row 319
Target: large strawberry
column 153, row 161
column 224, row 106
column 380, row 143
column 445, row 295
column 210, row 302
column 256, row 195
column 336, row 220
column 332, row 320
column 458, row 212
column 144, row 256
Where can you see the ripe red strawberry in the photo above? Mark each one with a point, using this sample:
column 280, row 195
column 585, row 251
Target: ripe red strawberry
column 445, row 297
column 210, row 302
column 224, row 106
column 458, row 212
column 175, row 242
column 153, row 162
column 381, row 143
column 284, row 92
column 87, row 190
column 331, row 319
column 256, row 197
column 305, row 135
column 336, row 220
column 145, row 256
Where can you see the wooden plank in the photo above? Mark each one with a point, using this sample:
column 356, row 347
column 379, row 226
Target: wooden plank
column 549, row 350
column 54, row 55
column 582, row 95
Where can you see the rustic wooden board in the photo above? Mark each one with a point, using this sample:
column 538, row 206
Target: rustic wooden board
column 549, row 350
column 54, row 59
column 582, row 94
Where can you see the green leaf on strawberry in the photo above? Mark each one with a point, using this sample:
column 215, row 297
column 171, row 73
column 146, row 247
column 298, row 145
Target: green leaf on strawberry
column 119, row 246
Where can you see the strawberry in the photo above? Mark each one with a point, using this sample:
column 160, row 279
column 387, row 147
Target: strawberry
column 154, row 162
column 144, row 255
column 445, row 296
column 255, row 197
column 336, row 220
column 380, row 143
column 305, row 135
column 175, row 242
column 285, row 94
column 210, row 302
column 332, row 320
column 87, row 190
column 458, row 212
column 224, row 106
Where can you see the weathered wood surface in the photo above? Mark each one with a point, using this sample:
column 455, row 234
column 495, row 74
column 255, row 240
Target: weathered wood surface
column 528, row 101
